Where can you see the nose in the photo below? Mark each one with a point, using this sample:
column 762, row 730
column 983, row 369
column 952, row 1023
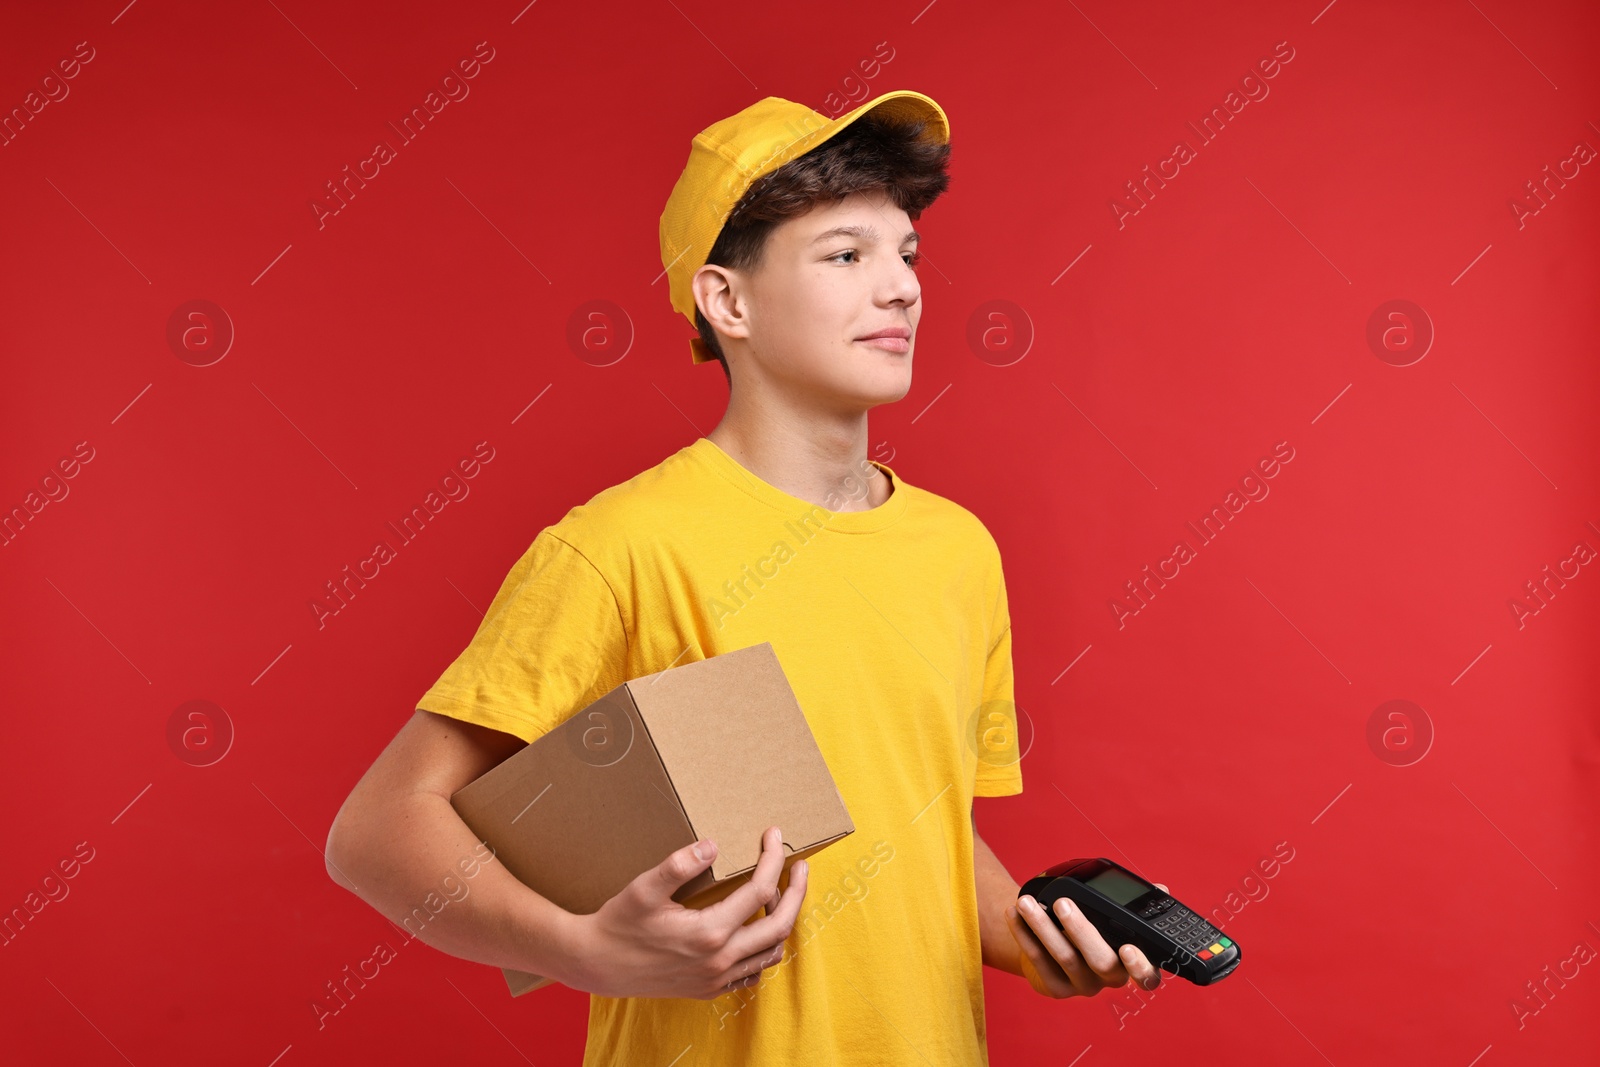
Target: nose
column 901, row 287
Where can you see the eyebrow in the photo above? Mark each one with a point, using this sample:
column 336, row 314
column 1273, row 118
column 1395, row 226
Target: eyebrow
column 867, row 233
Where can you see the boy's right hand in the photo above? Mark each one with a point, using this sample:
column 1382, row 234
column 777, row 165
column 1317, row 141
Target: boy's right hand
column 642, row 943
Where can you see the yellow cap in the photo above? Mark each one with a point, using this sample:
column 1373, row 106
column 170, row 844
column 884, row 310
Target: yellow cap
column 727, row 157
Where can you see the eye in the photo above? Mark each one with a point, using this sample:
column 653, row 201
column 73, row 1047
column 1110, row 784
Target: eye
column 912, row 259
column 846, row 252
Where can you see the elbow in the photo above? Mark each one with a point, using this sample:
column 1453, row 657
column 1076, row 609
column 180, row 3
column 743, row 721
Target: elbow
column 336, row 858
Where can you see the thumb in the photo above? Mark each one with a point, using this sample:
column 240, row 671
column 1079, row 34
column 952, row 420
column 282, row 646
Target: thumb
column 1161, row 887
column 668, row 876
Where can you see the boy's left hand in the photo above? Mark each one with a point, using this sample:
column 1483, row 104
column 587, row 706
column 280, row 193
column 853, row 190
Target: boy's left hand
column 1079, row 962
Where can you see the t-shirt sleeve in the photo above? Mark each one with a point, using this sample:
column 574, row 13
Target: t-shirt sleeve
column 999, row 757
column 552, row 643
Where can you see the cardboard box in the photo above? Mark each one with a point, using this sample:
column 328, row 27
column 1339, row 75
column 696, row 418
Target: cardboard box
column 714, row 749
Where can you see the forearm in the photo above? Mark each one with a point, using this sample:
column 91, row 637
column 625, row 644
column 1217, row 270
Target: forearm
column 997, row 890
column 417, row 863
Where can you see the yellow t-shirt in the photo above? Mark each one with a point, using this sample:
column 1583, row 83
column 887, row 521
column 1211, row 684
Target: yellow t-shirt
column 892, row 627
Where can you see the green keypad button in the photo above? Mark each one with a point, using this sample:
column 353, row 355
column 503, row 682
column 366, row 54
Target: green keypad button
column 1224, row 942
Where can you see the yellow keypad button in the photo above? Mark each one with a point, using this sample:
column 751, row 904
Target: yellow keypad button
column 1216, row 949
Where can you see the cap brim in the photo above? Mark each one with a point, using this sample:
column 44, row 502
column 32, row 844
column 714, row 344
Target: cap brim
column 902, row 104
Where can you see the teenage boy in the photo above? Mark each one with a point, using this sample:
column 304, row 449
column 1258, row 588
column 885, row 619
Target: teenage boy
column 788, row 243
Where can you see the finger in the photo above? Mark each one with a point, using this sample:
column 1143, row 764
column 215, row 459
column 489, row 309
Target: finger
column 747, row 972
column 732, row 911
column 754, row 938
column 1044, row 965
column 1147, row 974
column 1100, row 957
column 667, row 877
column 1056, row 944
column 724, row 990
column 1069, row 980
column 1161, row 887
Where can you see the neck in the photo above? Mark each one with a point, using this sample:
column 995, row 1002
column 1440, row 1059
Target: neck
column 806, row 453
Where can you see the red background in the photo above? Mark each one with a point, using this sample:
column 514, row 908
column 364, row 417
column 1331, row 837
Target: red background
column 1227, row 315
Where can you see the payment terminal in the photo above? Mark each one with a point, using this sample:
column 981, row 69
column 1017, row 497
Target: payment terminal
column 1127, row 910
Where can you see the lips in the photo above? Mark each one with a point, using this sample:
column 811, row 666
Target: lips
column 888, row 343
column 890, row 339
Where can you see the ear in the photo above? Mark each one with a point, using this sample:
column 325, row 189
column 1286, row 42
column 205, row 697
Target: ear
column 716, row 296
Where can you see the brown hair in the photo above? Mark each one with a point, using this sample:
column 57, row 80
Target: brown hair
column 871, row 153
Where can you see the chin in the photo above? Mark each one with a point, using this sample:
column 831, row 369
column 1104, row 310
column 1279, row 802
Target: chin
column 888, row 388
column 874, row 382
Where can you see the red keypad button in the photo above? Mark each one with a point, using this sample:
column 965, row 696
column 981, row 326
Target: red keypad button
column 1204, row 954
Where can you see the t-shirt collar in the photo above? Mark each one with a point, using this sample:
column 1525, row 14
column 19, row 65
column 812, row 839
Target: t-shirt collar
column 709, row 452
